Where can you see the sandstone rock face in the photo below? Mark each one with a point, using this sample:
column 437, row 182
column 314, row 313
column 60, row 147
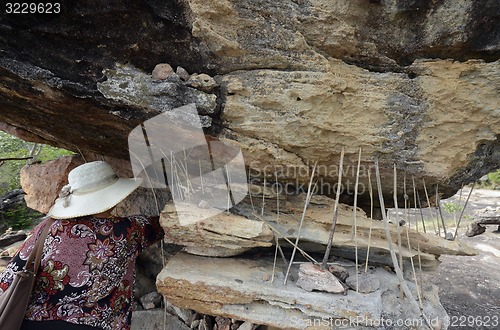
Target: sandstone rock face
column 373, row 34
column 435, row 127
column 412, row 83
column 221, row 235
column 43, row 182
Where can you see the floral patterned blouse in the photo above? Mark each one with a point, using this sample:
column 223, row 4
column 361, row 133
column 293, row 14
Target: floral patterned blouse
column 87, row 273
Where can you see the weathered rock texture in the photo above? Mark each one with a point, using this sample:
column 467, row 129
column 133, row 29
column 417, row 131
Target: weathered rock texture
column 412, row 82
column 224, row 234
column 43, row 182
column 241, row 288
column 230, row 234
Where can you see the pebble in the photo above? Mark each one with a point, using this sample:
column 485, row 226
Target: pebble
column 195, row 324
column 223, row 323
column 247, row 326
column 186, row 315
column 312, row 277
column 151, row 300
column 162, row 71
column 202, row 82
column 182, row 73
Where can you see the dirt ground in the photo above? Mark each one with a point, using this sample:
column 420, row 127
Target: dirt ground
column 470, row 286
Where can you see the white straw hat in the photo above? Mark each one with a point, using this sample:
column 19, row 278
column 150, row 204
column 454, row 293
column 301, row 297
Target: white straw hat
column 93, row 188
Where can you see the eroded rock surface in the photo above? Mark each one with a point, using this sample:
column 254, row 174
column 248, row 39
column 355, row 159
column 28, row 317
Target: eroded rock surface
column 241, row 288
column 414, row 83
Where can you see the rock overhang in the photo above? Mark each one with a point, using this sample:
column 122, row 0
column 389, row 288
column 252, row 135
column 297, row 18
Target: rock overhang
column 286, row 95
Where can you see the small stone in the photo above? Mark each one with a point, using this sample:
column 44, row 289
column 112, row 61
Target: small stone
column 195, row 324
column 223, row 323
column 162, row 71
column 449, row 236
column 205, row 121
column 474, row 229
column 202, row 82
column 367, row 283
column 247, row 326
column 340, row 272
column 151, row 300
column 186, row 315
column 312, row 277
column 182, row 73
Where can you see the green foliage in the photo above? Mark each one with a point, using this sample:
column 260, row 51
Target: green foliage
column 20, row 218
column 12, row 147
column 451, row 207
column 494, row 177
column 492, row 182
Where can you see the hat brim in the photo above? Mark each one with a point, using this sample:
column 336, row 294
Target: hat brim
column 94, row 202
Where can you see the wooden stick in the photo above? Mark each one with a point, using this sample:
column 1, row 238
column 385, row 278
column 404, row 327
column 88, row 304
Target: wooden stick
column 407, row 205
column 395, row 198
column 354, row 224
column 263, row 196
column 335, row 214
column 277, row 219
column 371, row 218
column 304, row 253
column 430, row 208
column 398, row 271
column 463, row 209
column 407, row 219
column 275, row 259
column 419, row 254
column 438, row 203
column 308, row 198
column 421, row 213
column 14, row 158
column 250, row 193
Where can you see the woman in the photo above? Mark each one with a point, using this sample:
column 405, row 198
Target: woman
column 86, row 276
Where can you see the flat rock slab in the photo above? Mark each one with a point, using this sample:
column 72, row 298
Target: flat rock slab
column 313, row 278
column 242, row 289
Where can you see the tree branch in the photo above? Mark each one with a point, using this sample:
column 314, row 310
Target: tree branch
column 14, row 158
